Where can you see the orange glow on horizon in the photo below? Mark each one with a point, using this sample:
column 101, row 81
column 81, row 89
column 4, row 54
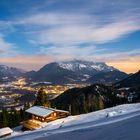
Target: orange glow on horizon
column 128, row 67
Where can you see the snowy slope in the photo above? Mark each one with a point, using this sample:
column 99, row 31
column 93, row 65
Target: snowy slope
column 112, row 123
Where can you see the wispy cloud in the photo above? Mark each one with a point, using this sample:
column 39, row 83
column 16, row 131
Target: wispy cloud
column 65, row 29
column 6, row 48
column 62, row 35
column 57, row 19
column 99, row 23
column 130, row 55
column 70, row 52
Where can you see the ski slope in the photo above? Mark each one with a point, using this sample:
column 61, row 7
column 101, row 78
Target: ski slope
column 116, row 123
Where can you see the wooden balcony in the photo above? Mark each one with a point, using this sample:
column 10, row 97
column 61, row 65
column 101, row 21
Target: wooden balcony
column 32, row 124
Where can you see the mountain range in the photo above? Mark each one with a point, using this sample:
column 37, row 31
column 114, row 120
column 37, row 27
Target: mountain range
column 8, row 74
column 77, row 71
column 74, row 71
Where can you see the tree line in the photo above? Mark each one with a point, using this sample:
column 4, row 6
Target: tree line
column 13, row 118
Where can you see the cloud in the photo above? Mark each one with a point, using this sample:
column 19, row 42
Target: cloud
column 51, row 19
column 130, row 56
column 65, row 35
column 6, row 48
column 114, row 31
column 98, row 23
column 70, row 51
column 80, row 34
column 66, row 28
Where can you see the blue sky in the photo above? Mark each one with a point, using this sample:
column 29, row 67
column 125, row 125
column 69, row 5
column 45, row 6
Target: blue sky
column 36, row 32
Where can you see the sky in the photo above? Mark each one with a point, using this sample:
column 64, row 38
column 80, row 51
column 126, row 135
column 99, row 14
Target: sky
column 36, row 32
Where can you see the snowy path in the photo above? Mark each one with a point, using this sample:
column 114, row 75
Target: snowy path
column 86, row 129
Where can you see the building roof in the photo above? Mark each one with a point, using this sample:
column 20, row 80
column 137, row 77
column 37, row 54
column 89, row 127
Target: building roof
column 43, row 111
column 5, row 131
column 39, row 111
column 58, row 110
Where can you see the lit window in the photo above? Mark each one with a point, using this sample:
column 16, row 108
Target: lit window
column 54, row 114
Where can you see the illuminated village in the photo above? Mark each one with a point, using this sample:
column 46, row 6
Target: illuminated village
column 11, row 94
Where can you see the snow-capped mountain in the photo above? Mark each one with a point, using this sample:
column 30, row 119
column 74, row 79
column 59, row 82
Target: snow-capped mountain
column 75, row 71
column 9, row 73
column 85, row 67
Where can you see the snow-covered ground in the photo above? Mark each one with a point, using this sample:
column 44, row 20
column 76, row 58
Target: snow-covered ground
column 108, row 122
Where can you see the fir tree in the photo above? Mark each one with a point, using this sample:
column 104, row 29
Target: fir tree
column 4, row 118
column 42, row 98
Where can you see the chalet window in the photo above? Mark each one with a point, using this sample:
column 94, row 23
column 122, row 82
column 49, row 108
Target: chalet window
column 54, row 114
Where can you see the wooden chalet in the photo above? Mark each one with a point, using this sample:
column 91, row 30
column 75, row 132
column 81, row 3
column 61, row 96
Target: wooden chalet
column 41, row 115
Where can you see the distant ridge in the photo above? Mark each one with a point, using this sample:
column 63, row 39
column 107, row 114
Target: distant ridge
column 8, row 74
column 131, row 81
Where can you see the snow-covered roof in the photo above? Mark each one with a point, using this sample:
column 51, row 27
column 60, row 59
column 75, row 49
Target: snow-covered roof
column 39, row 111
column 58, row 110
column 43, row 111
column 5, row 131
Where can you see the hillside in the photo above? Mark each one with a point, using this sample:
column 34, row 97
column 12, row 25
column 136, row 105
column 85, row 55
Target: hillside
column 131, row 81
column 87, row 99
column 108, row 77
